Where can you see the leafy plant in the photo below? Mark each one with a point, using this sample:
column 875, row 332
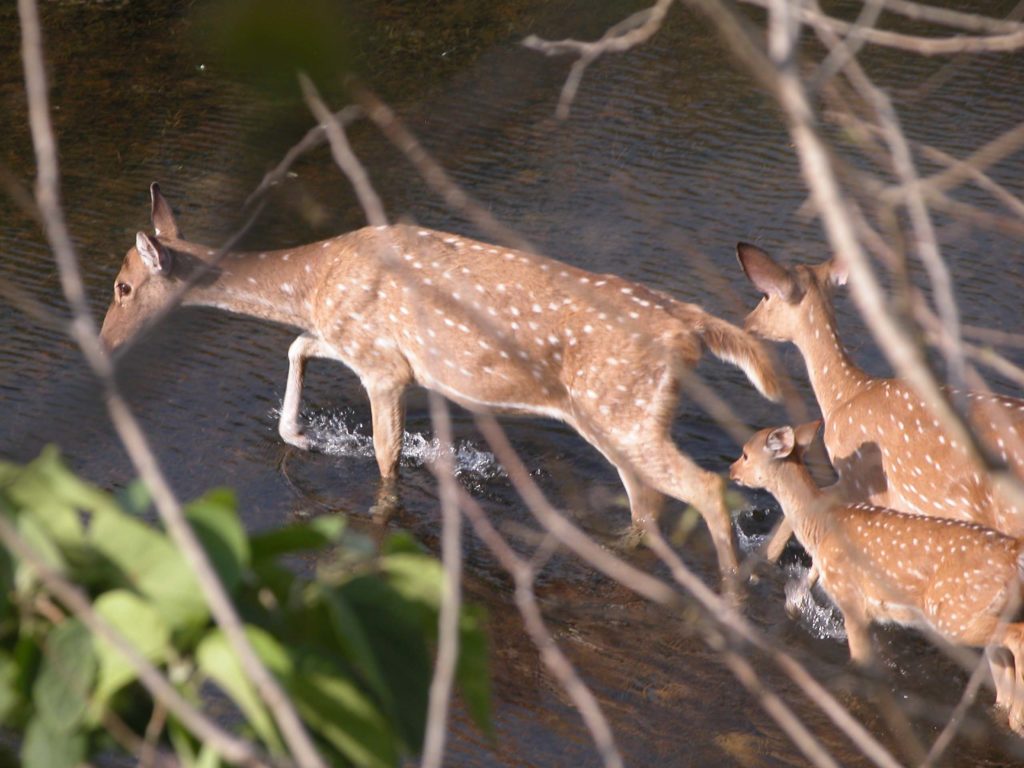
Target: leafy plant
column 349, row 632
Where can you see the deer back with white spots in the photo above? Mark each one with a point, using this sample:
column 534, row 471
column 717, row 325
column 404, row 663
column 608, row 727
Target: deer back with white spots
column 958, row 579
column 493, row 329
column 884, row 443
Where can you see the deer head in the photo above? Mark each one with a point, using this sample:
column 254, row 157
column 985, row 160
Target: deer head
column 762, row 453
column 791, row 296
column 143, row 284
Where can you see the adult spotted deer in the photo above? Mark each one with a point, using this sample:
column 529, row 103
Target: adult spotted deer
column 493, row 329
column 885, row 445
column 961, row 580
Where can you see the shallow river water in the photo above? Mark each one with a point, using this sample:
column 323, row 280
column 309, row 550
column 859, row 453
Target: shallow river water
column 669, row 157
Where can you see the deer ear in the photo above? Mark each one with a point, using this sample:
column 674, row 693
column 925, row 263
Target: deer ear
column 780, row 442
column 806, row 433
column 770, row 278
column 837, row 272
column 163, row 218
column 158, row 260
column 830, row 273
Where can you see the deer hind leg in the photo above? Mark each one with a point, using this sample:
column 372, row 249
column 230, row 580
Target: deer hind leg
column 303, row 348
column 1001, row 666
column 1013, row 641
column 660, row 464
column 645, row 503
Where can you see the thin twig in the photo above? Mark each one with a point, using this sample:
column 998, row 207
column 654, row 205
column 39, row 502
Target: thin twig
column 314, row 138
column 920, row 218
column 451, row 592
column 628, row 33
column 657, row 591
column 432, row 172
column 343, row 155
column 85, row 333
column 533, row 620
column 972, row 22
column 130, row 742
column 997, row 42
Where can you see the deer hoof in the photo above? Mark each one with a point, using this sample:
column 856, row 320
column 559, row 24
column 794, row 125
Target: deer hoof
column 297, row 439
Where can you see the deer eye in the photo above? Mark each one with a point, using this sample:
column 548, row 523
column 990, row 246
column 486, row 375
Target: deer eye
column 122, row 290
column 744, row 455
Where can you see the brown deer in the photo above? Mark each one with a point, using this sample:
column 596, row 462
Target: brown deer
column 491, row 328
column 961, row 580
column 885, row 445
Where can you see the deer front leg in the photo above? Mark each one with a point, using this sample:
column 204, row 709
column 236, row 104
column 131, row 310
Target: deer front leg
column 388, row 408
column 858, row 637
column 303, row 348
column 777, row 541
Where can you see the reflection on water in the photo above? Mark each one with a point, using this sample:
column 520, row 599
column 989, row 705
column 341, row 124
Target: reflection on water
column 670, row 157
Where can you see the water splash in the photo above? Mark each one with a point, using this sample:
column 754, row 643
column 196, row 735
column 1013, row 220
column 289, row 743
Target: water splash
column 817, row 613
column 749, row 542
column 337, row 433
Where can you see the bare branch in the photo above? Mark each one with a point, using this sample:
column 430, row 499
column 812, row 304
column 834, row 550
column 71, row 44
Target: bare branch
column 997, row 42
column 343, row 154
column 432, row 172
column 654, row 589
column 314, row 138
column 555, row 660
column 972, row 22
column 628, row 33
column 85, row 333
column 451, row 592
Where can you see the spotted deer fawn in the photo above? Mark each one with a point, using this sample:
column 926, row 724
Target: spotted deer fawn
column 884, row 444
column 959, row 579
column 493, row 329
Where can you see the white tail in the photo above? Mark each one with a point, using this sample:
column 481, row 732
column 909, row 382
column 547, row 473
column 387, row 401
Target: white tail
column 959, row 579
column 885, row 445
column 491, row 328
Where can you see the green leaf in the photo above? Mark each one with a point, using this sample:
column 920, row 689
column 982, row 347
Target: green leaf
column 142, row 625
column 219, row 663
column 341, row 714
column 354, row 643
column 47, row 748
column 473, row 670
column 36, row 537
column 318, row 533
column 134, row 498
column 152, row 565
column 10, row 691
column 183, row 743
column 61, row 690
column 53, row 495
column 401, row 543
column 215, row 521
column 416, row 577
column 398, row 632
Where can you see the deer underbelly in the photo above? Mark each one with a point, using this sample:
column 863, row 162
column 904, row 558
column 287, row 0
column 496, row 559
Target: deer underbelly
column 493, row 400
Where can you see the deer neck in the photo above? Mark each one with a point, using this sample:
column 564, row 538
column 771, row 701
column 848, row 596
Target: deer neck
column 273, row 285
column 803, row 503
column 834, row 376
